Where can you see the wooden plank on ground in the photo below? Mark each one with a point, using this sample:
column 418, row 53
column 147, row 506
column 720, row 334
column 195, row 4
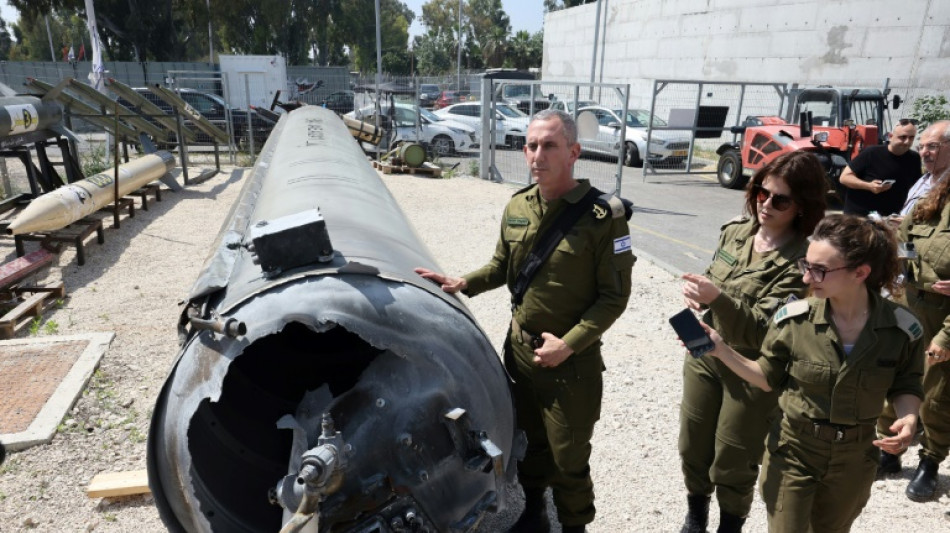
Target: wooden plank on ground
column 111, row 484
column 22, row 267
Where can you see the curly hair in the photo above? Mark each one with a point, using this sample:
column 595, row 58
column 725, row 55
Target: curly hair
column 805, row 177
column 862, row 241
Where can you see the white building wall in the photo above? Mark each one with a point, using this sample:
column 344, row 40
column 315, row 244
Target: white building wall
column 795, row 41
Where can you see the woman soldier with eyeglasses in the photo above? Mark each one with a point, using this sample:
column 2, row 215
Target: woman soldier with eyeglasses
column 723, row 421
column 835, row 357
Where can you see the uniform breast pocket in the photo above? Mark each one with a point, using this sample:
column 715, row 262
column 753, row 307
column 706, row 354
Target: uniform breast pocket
column 515, row 236
column 719, row 270
column 570, row 252
column 938, row 253
column 811, row 376
column 873, row 386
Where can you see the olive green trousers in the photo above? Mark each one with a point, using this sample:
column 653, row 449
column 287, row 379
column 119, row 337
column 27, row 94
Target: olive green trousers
column 557, row 408
column 815, row 485
column 723, row 425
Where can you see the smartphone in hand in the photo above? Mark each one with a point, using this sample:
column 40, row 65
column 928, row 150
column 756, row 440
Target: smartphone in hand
column 691, row 333
column 889, row 182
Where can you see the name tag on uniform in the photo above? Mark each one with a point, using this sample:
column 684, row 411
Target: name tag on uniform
column 515, row 221
column 622, row 244
column 727, row 257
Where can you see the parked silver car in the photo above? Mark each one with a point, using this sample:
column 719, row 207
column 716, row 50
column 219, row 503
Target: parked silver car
column 444, row 137
column 511, row 125
column 599, row 133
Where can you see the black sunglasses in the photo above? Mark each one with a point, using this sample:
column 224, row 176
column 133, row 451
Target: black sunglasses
column 906, row 121
column 779, row 201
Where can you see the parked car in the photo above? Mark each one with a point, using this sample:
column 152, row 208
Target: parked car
column 443, row 137
column 447, row 98
column 568, row 105
column 340, row 102
column 511, row 125
column 428, row 94
column 217, row 111
column 667, row 148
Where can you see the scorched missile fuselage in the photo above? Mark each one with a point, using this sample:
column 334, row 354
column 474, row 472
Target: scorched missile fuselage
column 319, row 372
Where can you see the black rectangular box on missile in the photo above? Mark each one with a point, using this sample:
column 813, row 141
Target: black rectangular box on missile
column 291, row 241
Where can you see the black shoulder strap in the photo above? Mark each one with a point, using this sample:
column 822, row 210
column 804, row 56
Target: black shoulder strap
column 545, row 245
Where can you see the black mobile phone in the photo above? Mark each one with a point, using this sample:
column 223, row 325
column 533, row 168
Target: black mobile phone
column 692, row 334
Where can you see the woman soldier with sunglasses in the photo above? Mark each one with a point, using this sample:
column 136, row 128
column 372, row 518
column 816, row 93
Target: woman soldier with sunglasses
column 723, row 421
column 835, row 357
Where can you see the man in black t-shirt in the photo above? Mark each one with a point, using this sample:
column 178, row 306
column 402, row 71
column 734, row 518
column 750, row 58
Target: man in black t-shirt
column 879, row 178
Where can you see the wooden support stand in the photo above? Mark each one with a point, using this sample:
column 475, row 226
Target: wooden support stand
column 75, row 234
column 31, row 306
column 153, row 189
column 123, row 204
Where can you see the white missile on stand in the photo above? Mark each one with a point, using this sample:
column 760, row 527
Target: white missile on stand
column 69, row 203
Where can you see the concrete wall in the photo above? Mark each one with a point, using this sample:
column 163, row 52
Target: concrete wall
column 796, row 41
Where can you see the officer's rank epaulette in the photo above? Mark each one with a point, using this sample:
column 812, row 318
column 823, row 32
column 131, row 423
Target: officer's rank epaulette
column 736, row 220
column 908, row 323
column 610, row 203
column 790, row 309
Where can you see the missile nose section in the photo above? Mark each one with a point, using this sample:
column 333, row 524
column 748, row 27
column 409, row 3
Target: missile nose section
column 322, row 385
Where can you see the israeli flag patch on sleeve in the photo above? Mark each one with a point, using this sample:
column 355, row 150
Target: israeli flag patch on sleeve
column 622, row 244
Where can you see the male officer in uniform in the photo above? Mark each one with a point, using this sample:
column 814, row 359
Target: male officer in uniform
column 553, row 347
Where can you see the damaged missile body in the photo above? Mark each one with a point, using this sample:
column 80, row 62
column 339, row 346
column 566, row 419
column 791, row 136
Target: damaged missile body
column 322, row 385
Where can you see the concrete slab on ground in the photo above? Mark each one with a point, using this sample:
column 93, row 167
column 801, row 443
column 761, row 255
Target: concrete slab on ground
column 40, row 380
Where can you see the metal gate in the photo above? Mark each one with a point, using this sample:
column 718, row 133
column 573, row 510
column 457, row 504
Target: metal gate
column 700, row 115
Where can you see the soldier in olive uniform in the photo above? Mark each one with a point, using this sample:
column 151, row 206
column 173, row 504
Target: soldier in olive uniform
column 724, row 420
column 927, row 228
column 553, row 347
column 836, row 356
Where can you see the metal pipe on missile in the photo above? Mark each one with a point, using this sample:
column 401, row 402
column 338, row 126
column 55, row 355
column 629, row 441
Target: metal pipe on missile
column 336, row 385
column 69, row 203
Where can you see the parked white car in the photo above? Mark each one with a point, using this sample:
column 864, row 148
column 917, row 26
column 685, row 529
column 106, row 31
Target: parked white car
column 568, row 105
column 444, row 137
column 511, row 125
column 666, row 147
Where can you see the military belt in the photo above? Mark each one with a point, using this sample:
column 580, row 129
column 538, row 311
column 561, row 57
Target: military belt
column 525, row 337
column 828, row 432
column 926, row 296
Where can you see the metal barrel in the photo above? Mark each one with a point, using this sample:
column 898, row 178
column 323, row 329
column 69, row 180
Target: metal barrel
column 349, row 364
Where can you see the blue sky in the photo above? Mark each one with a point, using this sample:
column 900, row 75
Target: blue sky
column 524, row 14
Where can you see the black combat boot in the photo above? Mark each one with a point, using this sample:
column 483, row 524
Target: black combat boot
column 534, row 518
column 730, row 523
column 890, row 464
column 924, row 483
column 698, row 515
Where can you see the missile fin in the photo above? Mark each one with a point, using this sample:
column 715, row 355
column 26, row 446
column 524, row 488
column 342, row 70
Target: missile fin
column 54, row 93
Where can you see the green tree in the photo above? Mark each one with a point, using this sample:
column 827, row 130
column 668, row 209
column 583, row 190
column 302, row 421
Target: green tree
column 6, row 40
column 930, row 109
column 489, row 27
column 524, row 50
column 431, row 52
column 555, row 5
column 359, row 23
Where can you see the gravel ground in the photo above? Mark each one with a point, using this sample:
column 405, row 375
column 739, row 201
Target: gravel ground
column 132, row 284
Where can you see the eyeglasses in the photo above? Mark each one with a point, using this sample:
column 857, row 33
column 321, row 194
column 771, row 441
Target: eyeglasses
column 906, row 121
column 817, row 272
column 933, row 147
column 779, row 201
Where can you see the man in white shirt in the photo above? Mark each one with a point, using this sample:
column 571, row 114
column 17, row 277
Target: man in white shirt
column 935, row 153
